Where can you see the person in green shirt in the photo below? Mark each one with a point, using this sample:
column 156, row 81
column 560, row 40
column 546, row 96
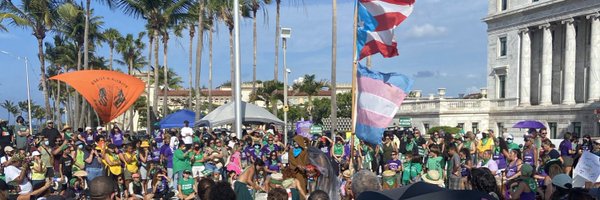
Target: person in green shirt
column 198, row 160
column 187, row 186
column 412, row 169
column 434, row 162
column 181, row 162
column 22, row 133
column 510, row 143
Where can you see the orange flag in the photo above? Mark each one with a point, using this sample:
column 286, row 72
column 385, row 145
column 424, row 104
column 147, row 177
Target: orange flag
column 110, row 93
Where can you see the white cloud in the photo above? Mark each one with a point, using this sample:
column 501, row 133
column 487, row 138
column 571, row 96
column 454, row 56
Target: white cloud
column 426, row 30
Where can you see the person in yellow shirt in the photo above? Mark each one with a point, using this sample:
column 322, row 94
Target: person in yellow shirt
column 130, row 159
column 112, row 162
column 485, row 144
column 38, row 169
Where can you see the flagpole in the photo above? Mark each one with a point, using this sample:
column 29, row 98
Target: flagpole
column 237, row 81
column 354, row 65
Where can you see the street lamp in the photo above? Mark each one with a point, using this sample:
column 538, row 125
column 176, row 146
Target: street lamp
column 286, row 33
column 28, row 93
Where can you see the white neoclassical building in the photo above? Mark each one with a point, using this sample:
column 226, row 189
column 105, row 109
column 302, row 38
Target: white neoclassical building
column 543, row 64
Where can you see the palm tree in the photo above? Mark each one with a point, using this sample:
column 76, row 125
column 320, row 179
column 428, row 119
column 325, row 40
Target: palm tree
column 38, row 16
column 130, row 50
column 223, row 11
column 10, row 107
column 310, row 87
column 253, row 6
column 270, row 93
column 111, row 36
column 160, row 17
column 86, row 40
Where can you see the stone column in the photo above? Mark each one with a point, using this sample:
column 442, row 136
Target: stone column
column 525, row 83
column 569, row 70
column 546, row 83
column 594, row 83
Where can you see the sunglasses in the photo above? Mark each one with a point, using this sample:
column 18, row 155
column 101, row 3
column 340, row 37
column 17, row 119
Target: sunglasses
column 394, row 154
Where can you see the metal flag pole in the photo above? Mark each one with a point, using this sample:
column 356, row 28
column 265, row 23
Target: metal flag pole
column 237, row 82
column 28, row 96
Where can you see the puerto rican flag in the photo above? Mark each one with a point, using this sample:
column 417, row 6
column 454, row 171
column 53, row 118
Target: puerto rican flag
column 379, row 97
column 376, row 22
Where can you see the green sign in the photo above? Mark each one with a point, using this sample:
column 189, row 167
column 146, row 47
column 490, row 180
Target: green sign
column 405, row 122
column 316, row 129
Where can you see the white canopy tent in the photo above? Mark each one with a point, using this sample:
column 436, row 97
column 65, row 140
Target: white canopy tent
column 225, row 114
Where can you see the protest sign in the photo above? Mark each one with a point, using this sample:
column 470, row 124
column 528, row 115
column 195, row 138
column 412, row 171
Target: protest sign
column 588, row 166
column 303, row 128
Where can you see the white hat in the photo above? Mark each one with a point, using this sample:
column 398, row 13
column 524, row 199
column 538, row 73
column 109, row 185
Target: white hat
column 232, row 135
column 99, row 128
column 507, row 136
column 8, row 148
column 35, row 153
column 88, row 128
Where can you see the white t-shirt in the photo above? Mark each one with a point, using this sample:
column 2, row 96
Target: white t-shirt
column 4, row 158
column 12, row 173
column 187, row 134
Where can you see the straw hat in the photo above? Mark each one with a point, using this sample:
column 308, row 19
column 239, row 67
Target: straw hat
column 347, row 173
column 66, row 127
column 433, row 177
column 80, row 173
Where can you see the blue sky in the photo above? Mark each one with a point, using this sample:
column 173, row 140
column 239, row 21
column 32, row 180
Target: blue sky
column 442, row 44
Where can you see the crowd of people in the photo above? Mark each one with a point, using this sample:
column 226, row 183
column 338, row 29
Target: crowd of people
column 196, row 163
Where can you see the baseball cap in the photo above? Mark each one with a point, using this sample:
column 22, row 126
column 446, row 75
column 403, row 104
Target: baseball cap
column 49, row 121
column 35, row 153
column 8, row 148
column 563, row 181
column 88, row 128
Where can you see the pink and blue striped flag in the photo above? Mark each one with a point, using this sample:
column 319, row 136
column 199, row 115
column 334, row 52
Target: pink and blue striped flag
column 376, row 22
column 379, row 97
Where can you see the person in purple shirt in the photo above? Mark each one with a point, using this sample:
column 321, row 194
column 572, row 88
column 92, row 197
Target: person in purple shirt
column 567, row 152
column 158, row 137
column 166, row 157
column 273, row 164
column 88, row 135
column 116, row 136
column 394, row 164
column 253, row 153
column 270, row 147
column 155, row 153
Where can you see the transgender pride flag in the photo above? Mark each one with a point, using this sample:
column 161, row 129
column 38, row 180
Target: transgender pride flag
column 379, row 97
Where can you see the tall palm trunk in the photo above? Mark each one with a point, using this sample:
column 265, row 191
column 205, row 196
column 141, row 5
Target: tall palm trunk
column 199, row 48
column 86, row 36
column 148, row 115
column 210, row 67
column 166, row 73
column 131, row 114
column 254, row 52
column 110, row 65
column 231, row 63
column 156, row 67
column 40, row 41
column 58, row 114
column 190, row 74
column 76, row 103
column 333, row 69
column 277, row 28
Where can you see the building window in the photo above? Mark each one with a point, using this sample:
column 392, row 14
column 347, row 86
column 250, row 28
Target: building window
column 552, row 128
column 576, row 128
column 426, row 126
column 461, row 126
column 502, row 46
column 597, row 131
column 503, row 5
column 502, row 86
column 535, row 0
column 475, row 127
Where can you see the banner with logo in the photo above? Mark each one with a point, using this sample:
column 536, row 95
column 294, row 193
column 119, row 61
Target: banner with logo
column 110, row 93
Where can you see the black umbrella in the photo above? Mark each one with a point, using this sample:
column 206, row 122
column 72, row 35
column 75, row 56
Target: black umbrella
column 424, row 191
